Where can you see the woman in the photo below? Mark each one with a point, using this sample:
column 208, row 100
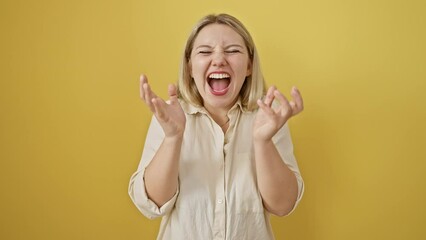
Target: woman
column 218, row 157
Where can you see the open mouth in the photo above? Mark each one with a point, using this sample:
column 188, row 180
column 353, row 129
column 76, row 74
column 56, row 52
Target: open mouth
column 219, row 83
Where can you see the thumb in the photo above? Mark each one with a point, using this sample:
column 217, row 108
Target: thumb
column 172, row 93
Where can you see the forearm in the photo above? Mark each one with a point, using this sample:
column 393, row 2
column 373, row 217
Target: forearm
column 161, row 175
column 277, row 183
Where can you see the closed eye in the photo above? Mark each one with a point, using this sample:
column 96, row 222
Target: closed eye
column 233, row 51
column 204, row 52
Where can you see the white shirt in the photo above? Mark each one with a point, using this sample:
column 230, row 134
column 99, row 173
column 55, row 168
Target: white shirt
column 217, row 197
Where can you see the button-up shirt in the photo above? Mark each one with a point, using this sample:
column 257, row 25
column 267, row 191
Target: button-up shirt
column 217, row 196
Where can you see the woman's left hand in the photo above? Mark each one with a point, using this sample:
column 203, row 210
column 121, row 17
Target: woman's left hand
column 269, row 120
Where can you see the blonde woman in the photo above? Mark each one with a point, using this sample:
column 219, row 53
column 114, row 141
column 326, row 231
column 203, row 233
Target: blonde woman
column 218, row 156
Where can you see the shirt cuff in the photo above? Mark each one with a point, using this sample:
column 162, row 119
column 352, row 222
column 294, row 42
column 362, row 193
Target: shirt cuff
column 301, row 190
column 140, row 198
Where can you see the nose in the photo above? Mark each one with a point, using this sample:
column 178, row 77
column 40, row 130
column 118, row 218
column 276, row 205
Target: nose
column 219, row 59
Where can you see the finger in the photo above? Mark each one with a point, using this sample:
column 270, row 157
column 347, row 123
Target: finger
column 149, row 95
column 172, row 93
column 142, row 81
column 267, row 109
column 159, row 108
column 297, row 103
column 285, row 107
column 269, row 98
column 143, row 87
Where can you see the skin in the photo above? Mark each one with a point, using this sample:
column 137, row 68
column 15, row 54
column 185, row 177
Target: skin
column 276, row 182
column 220, row 48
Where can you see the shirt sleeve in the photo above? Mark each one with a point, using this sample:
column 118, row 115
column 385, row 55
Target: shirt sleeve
column 284, row 145
column 137, row 190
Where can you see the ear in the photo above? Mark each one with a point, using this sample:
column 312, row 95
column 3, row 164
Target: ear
column 249, row 68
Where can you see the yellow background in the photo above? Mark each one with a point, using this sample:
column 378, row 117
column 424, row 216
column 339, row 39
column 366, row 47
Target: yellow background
column 73, row 127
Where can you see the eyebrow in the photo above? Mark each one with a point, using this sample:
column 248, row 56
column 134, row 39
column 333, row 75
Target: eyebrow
column 203, row 46
column 234, row 45
column 226, row 47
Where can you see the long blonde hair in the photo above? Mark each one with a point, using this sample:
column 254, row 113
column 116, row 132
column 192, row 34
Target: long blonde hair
column 254, row 85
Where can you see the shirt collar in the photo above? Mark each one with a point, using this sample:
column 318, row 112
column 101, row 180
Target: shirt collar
column 192, row 109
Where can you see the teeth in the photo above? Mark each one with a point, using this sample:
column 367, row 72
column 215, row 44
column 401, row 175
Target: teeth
column 219, row 75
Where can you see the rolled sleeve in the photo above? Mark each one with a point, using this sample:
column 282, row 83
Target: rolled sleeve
column 137, row 189
column 140, row 198
column 284, row 146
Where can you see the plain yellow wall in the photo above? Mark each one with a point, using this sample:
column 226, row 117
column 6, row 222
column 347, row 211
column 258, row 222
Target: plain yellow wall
column 72, row 126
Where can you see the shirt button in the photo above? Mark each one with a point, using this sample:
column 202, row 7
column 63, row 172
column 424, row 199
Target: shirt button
column 220, row 201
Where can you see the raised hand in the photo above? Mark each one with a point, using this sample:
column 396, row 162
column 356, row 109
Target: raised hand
column 170, row 115
column 269, row 120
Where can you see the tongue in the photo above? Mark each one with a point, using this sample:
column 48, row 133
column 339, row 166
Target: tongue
column 219, row 84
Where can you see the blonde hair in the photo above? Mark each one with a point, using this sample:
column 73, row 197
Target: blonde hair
column 254, row 85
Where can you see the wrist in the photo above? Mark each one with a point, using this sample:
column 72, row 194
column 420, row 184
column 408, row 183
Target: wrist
column 261, row 136
column 174, row 138
column 261, row 141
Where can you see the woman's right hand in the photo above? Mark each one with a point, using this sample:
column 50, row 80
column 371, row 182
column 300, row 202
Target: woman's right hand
column 170, row 115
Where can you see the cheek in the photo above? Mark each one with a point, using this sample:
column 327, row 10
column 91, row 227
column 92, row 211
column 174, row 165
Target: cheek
column 197, row 67
column 241, row 65
column 244, row 68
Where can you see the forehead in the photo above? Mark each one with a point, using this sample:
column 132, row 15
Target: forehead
column 216, row 33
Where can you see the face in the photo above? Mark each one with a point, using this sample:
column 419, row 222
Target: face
column 219, row 64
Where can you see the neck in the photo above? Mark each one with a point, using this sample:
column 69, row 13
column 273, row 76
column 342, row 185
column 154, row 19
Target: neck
column 219, row 115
